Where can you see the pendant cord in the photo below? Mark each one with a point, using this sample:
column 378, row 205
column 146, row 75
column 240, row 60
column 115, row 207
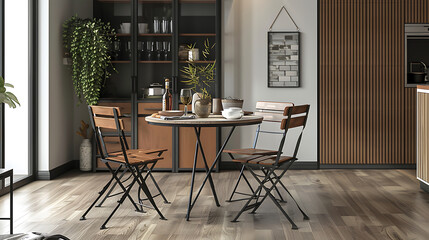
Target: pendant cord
column 278, row 14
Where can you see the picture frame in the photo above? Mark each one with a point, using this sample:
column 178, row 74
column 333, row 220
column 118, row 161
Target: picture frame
column 284, row 57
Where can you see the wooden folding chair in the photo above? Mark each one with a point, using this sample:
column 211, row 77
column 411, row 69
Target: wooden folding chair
column 295, row 117
column 147, row 168
column 134, row 161
column 272, row 112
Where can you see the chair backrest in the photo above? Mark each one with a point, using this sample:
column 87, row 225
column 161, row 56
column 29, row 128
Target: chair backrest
column 109, row 118
column 271, row 112
column 296, row 116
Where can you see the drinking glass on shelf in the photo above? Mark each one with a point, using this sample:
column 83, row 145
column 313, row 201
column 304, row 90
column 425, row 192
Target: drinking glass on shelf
column 165, row 25
column 166, row 45
column 116, row 50
column 140, row 50
column 186, row 98
column 156, row 25
column 149, row 51
column 128, row 50
column 159, row 50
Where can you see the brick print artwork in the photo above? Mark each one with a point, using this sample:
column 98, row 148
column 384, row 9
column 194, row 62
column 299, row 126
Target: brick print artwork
column 283, row 59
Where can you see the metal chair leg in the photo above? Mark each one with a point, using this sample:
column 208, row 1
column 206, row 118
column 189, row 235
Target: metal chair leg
column 302, row 211
column 99, row 196
column 283, row 211
column 277, row 190
column 123, row 187
column 111, row 189
column 145, row 189
column 126, row 193
column 236, row 184
column 268, row 193
column 247, row 205
column 241, row 175
column 156, row 185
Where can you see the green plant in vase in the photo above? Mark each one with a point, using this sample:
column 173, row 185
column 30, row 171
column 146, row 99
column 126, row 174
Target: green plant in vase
column 89, row 42
column 199, row 78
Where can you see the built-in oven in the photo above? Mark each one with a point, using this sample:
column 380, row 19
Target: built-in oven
column 416, row 54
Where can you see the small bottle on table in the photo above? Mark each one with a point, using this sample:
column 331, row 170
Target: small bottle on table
column 167, row 98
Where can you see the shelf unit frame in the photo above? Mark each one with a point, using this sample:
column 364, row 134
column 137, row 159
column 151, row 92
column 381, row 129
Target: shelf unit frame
column 175, row 64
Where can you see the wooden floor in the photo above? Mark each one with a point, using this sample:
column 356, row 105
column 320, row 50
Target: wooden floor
column 342, row 204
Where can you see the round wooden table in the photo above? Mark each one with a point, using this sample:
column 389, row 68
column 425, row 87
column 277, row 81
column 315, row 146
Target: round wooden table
column 197, row 124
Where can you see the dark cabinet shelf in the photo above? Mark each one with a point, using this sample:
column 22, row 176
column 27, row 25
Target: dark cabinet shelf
column 158, row 1
column 140, row 1
column 127, row 61
column 197, row 1
column 197, row 61
column 120, row 61
column 197, row 34
column 155, row 61
column 145, row 35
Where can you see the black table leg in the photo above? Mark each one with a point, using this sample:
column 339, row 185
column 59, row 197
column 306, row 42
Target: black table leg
column 198, row 134
column 208, row 175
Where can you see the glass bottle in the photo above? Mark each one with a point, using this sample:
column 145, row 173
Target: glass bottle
column 167, row 98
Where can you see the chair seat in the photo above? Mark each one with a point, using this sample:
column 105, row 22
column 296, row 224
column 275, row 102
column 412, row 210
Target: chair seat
column 263, row 160
column 134, row 159
column 139, row 151
column 251, row 151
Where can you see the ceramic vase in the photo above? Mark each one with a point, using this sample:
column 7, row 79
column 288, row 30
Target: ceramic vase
column 203, row 108
column 195, row 97
column 85, row 155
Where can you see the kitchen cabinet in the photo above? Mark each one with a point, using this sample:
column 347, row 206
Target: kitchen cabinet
column 182, row 22
column 423, row 136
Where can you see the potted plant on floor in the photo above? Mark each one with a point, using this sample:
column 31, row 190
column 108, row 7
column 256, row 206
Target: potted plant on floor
column 199, row 77
column 88, row 42
column 85, row 147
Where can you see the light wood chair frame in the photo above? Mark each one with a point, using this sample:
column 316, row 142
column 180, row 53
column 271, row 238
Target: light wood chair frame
column 269, row 169
column 136, row 169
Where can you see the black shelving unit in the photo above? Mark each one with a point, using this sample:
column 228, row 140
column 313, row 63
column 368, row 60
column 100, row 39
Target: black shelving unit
column 193, row 21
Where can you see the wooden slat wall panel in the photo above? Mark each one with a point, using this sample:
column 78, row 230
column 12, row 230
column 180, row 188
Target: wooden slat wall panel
column 367, row 116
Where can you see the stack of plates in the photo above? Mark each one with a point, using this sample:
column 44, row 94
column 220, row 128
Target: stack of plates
column 171, row 113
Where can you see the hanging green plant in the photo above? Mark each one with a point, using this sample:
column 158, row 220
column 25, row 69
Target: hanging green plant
column 88, row 42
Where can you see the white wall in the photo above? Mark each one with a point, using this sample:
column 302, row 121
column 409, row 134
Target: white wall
column 43, row 88
column 56, row 98
column 244, row 48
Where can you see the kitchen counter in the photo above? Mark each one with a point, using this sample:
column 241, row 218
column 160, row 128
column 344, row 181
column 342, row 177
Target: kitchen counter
column 423, row 136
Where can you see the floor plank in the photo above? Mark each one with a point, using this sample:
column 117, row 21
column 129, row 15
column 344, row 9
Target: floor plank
column 342, row 204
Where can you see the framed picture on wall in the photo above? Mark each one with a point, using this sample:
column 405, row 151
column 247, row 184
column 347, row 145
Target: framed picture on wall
column 283, row 59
